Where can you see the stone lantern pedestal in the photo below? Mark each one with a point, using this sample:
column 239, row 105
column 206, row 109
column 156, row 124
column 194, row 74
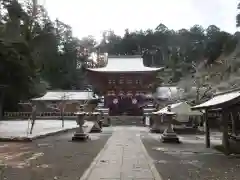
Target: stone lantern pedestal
column 156, row 126
column 80, row 135
column 169, row 135
column 106, row 121
column 95, row 118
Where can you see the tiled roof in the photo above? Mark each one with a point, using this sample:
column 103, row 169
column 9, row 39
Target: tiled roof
column 66, row 95
column 218, row 100
column 125, row 64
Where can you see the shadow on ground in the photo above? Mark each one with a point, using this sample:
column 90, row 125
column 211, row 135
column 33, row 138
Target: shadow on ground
column 55, row 157
column 190, row 161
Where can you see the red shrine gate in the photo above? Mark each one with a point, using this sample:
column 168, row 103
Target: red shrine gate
column 124, row 81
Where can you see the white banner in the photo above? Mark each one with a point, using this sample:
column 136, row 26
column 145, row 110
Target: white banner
column 129, row 93
column 115, row 101
column 147, row 120
column 111, row 93
column 134, row 101
column 121, row 93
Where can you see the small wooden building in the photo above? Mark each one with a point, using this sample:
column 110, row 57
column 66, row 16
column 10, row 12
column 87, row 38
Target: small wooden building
column 55, row 102
column 183, row 112
column 227, row 106
column 71, row 99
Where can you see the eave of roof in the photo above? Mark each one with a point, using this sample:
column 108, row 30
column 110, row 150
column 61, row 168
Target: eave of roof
column 126, row 65
column 219, row 101
column 66, row 95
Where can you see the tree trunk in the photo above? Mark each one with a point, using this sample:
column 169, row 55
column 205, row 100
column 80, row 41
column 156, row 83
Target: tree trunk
column 1, row 109
column 197, row 95
column 233, row 123
column 62, row 118
column 1, row 106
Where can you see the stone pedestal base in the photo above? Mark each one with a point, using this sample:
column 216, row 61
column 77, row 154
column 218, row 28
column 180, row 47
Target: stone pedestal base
column 156, row 128
column 169, row 136
column 96, row 128
column 106, row 123
column 80, row 137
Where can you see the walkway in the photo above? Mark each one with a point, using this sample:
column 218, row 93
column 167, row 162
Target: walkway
column 123, row 158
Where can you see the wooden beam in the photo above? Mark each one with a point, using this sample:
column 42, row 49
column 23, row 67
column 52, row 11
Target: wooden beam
column 226, row 92
column 225, row 141
column 233, row 119
column 207, row 130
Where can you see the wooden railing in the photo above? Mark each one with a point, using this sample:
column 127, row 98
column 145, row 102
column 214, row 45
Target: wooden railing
column 39, row 114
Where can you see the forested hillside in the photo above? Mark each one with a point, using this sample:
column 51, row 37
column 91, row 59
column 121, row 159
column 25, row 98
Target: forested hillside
column 38, row 53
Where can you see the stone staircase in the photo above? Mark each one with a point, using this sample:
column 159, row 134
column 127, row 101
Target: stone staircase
column 126, row 120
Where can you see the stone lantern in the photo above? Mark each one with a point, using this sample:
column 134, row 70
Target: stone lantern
column 169, row 135
column 80, row 135
column 95, row 118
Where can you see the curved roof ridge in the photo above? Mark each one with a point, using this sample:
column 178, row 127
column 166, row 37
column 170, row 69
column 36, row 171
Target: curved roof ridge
column 125, row 64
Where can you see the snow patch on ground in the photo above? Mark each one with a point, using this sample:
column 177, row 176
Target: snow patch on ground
column 20, row 128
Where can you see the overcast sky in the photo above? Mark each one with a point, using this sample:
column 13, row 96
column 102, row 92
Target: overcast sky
column 91, row 17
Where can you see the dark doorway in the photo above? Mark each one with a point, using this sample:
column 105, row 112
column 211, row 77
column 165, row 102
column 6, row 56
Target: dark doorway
column 125, row 107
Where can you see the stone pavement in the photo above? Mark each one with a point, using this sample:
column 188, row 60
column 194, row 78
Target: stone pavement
column 123, row 158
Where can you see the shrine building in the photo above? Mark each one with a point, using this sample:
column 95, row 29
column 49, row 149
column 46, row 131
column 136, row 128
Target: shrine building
column 125, row 84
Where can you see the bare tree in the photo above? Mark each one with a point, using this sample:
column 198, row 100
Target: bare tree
column 33, row 117
column 198, row 85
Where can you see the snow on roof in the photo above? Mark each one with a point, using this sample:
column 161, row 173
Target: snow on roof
column 126, row 64
column 179, row 108
column 102, row 109
column 217, row 100
column 86, row 113
column 165, row 109
column 65, row 95
column 168, row 112
column 167, row 92
column 149, row 109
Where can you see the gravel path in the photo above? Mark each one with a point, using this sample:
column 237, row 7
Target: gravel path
column 182, row 162
column 52, row 158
